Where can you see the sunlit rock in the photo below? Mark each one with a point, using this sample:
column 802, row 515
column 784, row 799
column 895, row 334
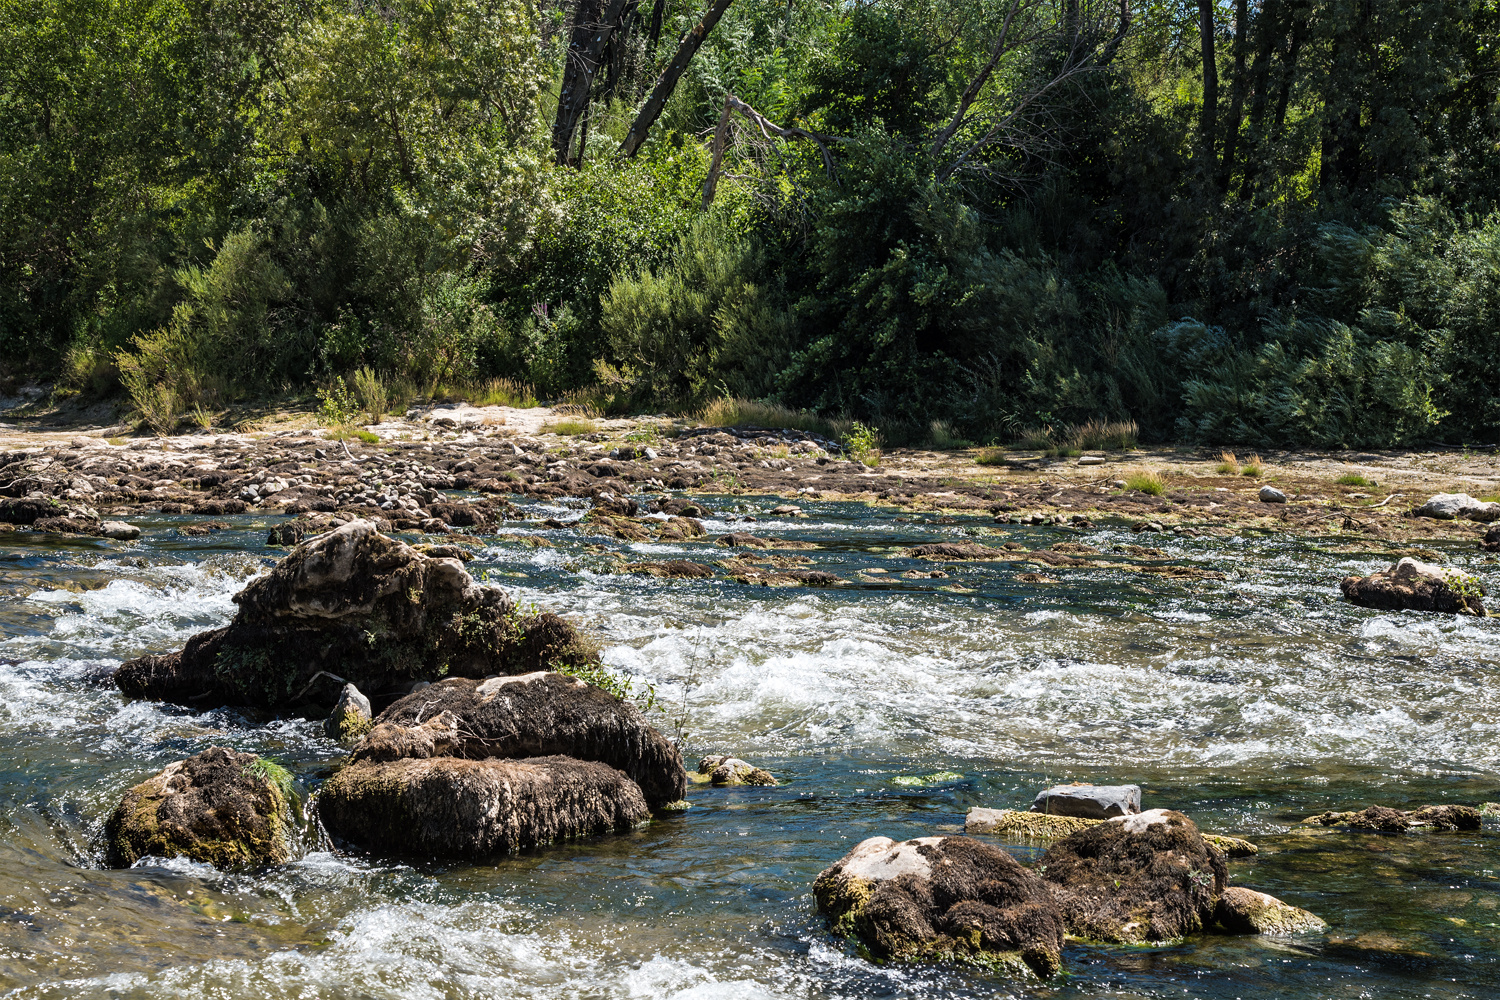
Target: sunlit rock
column 1417, row 586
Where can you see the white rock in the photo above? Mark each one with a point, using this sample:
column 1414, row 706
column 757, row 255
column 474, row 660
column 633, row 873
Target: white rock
column 119, row 530
column 1091, row 460
column 1447, row 506
column 1270, row 494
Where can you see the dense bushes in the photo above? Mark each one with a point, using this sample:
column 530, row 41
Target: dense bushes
column 212, row 201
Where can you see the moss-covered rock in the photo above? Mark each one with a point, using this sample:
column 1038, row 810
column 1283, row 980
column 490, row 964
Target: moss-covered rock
column 937, row 898
column 351, row 717
column 1383, row 819
column 721, row 769
column 1245, row 911
column 1417, row 586
column 473, row 808
column 1146, row 877
column 1042, row 826
column 354, row 606
column 529, row 715
column 221, row 806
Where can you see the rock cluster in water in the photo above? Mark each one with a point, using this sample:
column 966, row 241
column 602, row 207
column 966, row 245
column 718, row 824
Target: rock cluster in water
column 353, row 606
column 1141, row 877
column 1387, row 820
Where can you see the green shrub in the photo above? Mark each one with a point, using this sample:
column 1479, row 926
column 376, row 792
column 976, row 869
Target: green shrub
column 1149, row 483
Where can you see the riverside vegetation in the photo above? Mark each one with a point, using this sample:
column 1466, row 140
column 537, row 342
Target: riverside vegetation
column 963, row 220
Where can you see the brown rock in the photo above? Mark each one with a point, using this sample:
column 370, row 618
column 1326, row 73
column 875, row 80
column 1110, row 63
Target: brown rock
column 1417, row 586
column 473, row 808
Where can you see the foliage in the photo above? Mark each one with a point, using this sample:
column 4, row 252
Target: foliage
column 338, row 406
column 862, row 444
column 204, row 202
column 1149, row 483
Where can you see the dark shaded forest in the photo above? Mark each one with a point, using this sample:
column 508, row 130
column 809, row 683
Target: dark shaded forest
column 1269, row 222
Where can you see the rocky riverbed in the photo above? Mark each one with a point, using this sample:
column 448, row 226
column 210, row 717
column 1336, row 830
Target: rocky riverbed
column 853, row 669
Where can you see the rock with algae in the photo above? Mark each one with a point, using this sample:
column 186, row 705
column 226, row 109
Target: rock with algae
column 1041, row 826
column 938, row 898
column 1384, row 819
column 722, row 769
column 1245, row 911
column 353, row 606
column 221, row 806
column 1417, row 586
column 351, row 717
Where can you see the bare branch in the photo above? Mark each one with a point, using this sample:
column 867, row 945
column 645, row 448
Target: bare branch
column 971, row 92
column 767, row 129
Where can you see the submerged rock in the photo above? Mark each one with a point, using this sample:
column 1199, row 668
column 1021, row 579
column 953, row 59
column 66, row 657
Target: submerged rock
column 1384, row 819
column 1146, row 877
column 942, row 897
column 472, row 808
column 956, row 551
column 353, row 606
column 1245, row 911
column 1417, row 586
column 221, row 806
column 1089, row 801
column 351, row 717
column 725, row 770
column 672, row 569
column 531, row 715
column 1041, row 826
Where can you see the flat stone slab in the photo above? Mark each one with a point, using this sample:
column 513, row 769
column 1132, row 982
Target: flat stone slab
column 1089, row 801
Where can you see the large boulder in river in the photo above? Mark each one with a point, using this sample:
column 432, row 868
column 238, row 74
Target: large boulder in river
column 1245, row 911
column 942, row 897
column 1146, row 877
column 473, row 808
column 353, row 606
column 531, row 715
column 1383, row 819
column 1089, row 801
column 221, row 806
column 1417, row 586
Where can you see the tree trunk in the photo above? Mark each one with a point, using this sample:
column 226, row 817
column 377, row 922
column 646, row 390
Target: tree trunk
column 590, row 34
column 1237, row 93
column 652, row 109
column 653, row 31
column 1209, row 119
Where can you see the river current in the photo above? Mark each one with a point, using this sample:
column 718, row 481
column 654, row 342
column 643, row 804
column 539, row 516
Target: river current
column 886, row 706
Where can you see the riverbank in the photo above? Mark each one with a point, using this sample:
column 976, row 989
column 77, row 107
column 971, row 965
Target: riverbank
column 284, row 462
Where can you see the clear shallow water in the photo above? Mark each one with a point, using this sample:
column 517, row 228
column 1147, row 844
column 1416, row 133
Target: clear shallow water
column 1249, row 703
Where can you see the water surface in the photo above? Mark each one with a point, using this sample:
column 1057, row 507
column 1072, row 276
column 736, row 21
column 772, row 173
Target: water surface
column 888, row 706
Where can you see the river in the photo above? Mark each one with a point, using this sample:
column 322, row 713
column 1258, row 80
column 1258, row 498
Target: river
column 888, row 706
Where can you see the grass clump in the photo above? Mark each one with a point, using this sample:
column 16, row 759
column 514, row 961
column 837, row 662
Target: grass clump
column 570, row 426
column 726, row 412
column 862, row 444
column 942, row 438
column 1074, row 440
column 351, row 432
column 1254, row 467
column 1229, row 464
column 991, row 456
column 1353, row 479
column 1148, row 483
column 273, row 774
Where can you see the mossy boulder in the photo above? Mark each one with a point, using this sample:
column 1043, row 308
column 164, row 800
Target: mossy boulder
column 1245, row 911
column 530, row 715
column 1417, row 586
column 354, row 606
column 1383, row 819
column 351, row 717
column 721, row 769
column 453, row 807
column 936, row 898
column 221, row 806
column 1146, row 877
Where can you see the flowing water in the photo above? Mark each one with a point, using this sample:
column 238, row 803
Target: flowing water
column 888, row 706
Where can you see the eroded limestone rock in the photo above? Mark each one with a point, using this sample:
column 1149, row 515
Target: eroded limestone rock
column 722, row 769
column 1387, row 820
column 354, row 606
column 1245, row 911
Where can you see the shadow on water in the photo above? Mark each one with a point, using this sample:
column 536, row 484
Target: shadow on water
column 889, row 705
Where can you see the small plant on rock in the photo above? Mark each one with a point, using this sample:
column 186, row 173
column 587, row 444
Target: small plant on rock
column 862, row 444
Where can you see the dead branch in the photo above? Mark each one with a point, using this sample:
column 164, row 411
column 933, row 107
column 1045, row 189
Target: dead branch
column 768, row 129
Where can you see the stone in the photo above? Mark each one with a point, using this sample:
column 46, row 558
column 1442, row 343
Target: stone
column 1449, row 506
column 351, row 717
column 1016, row 824
column 29, row 510
column 1491, row 540
column 672, row 569
column 725, row 770
column 955, row 551
column 1417, row 586
column 1245, row 911
column 532, row 715
column 119, row 530
column 453, row 807
column 222, row 807
column 1383, row 819
column 1089, row 801
column 1146, row 877
column 936, row 898
column 1270, row 494
column 1091, row 460
column 353, row 606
